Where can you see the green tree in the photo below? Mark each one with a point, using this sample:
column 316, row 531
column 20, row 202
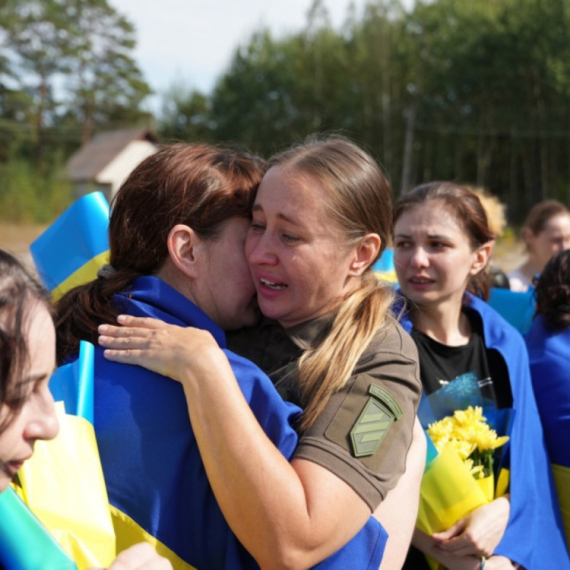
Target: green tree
column 105, row 85
column 186, row 115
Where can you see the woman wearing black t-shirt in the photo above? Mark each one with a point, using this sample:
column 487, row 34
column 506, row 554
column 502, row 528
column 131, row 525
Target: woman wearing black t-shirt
column 442, row 244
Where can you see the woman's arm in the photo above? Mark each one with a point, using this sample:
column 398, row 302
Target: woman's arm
column 289, row 515
column 399, row 510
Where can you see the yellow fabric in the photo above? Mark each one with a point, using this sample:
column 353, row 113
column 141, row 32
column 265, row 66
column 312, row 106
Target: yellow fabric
column 487, row 486
column 562, row 480
column 448, row 492
column 389, row 276
column 64, row 487
column 502, row 483
column 87, row 272
column 128, row 532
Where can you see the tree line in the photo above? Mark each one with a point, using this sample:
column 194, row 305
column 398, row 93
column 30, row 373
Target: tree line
column 476, row 92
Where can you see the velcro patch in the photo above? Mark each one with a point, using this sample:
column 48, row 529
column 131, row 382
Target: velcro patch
column 370, row 428
column 387, row 399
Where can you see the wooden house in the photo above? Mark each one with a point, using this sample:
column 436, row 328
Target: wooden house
column 105, row 161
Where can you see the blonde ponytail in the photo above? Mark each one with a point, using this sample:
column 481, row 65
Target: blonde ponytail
column 327, row 368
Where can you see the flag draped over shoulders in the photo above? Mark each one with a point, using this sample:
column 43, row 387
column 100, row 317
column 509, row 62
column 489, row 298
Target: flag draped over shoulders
column 534, row 535
column 157, row 484
column 549, row 354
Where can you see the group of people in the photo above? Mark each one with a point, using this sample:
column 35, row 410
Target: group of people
column 256, row 385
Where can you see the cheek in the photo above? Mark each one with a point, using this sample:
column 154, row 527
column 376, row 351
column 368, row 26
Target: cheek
column 250, row 244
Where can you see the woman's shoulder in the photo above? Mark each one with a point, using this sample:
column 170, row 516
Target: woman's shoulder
column 389, row 341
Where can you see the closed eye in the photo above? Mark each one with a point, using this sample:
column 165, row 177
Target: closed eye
column 256, row 227
column 288, row 238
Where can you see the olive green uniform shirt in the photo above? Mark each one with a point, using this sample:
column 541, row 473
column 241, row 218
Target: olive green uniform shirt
column 364, row 433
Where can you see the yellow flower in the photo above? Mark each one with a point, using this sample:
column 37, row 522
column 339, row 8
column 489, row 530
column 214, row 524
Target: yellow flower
column 470, row 436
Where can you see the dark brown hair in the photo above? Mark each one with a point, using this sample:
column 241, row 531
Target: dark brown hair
column 469, row 213
column 359, row 202
column 552, row 292
column 198, row 185
column 18, row 292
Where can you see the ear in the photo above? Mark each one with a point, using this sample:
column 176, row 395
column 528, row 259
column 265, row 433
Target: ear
column 183, row 248
column 365, row 254
column 481, row 257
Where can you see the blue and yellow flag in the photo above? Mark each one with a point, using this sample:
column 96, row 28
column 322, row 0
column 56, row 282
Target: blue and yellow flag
column 384, row 268
column 63, row 482
column 25, row 544
column 70, row 252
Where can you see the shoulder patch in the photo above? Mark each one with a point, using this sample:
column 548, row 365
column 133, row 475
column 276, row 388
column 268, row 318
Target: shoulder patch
column 370, row 428
column 387, row 399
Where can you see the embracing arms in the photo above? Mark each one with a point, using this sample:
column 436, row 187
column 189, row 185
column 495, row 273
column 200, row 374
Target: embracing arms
column 288, row 515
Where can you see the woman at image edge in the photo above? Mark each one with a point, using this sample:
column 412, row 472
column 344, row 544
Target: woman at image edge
column 442, row 244
column 321, row 218
column 27, row 359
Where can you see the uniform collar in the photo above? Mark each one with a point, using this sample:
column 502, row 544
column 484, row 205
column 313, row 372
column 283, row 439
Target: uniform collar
column 311, row 333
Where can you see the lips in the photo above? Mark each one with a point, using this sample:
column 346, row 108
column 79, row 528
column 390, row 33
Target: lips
column 273, row 285
column 420, row 280
column 15, row 466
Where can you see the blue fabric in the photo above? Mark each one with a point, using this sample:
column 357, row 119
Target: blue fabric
column 515, row 307
column 150, row 458
column 73, row 383
column 57, row 255
column 534, row 537
column 386, row 262
column 549, row 354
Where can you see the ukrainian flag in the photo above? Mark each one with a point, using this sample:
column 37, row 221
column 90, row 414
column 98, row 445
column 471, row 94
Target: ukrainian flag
column 71, row 251
column 63, row 482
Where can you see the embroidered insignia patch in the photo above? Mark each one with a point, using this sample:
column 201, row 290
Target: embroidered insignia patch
column 378, row 415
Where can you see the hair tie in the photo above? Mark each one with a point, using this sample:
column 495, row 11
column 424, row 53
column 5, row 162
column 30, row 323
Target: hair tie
column 106, row 271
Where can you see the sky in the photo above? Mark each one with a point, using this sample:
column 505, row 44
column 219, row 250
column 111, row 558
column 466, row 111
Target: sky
column 191, row 42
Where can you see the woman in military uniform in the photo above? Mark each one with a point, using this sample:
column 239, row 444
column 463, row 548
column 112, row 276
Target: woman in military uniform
column 321, row 218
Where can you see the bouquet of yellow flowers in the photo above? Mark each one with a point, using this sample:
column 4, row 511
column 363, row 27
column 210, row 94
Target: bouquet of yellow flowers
column 468, row 434
column 459, row 475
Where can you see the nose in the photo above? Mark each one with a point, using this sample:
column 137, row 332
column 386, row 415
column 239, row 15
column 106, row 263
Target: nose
column 260, row 250
column 43, row 422
column 419, row 257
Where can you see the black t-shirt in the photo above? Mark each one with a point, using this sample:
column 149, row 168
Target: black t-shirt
column 441, row 364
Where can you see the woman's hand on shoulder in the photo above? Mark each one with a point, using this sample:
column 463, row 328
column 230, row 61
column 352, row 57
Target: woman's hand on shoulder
column 168, row 350
column 479, row 532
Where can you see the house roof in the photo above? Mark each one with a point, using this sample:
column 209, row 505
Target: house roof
column 98, row 152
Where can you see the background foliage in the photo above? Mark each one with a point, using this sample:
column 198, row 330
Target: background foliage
column 477, row 91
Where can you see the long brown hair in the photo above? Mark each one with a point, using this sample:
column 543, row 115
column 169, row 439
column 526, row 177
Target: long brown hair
column 18, row 294
column 359, row 201
column 193, row 184
column 467, row 210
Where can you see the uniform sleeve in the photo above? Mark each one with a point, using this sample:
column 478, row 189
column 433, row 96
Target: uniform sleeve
column 364, row 433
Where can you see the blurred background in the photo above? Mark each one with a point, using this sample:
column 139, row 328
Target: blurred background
column 473, row 91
